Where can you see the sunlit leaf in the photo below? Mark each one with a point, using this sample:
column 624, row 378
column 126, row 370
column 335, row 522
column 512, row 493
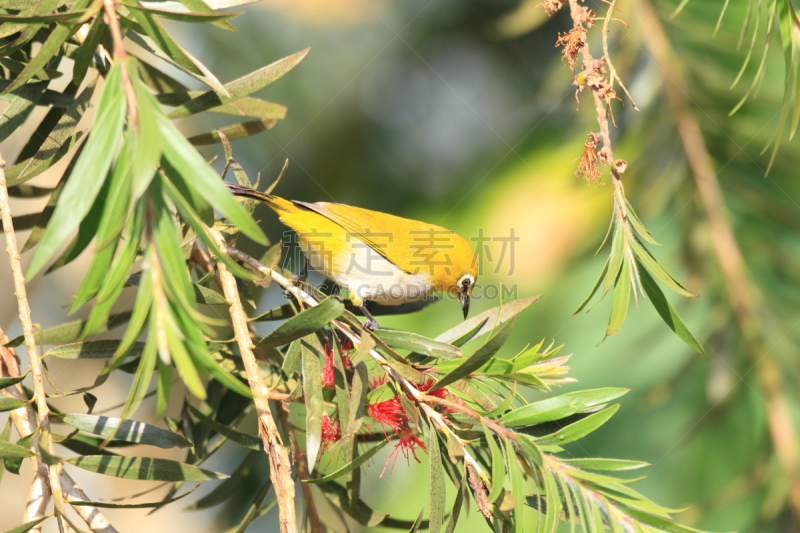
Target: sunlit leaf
column 145, row 468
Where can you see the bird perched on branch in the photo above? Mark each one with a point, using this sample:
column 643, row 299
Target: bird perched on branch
column 375, row 256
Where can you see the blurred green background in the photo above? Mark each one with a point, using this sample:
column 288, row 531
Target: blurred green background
column 461, row 113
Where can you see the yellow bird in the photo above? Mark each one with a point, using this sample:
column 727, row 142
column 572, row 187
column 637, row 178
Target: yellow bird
column 375, row 256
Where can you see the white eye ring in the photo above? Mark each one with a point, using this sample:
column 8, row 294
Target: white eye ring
column 466, row 280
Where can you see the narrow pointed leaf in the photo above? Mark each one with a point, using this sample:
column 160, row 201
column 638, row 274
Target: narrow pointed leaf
column 417, row 343
column 91, row 350
column 560, row 407
column 242, row 87
column 481, row 324
column 125, row 430
column 579, row 429
column 145, row 468
column 667, row 312
column 304, row 324
column 349, row 467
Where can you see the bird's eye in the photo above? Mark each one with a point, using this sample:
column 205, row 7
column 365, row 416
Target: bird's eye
column 465, row 283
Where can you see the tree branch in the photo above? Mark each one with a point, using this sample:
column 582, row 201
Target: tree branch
column 280, row 468
column 729, row 255
column 30, row 345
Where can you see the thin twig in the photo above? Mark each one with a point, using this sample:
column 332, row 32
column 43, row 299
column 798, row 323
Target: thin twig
column 730, row 257
column 122, row 56
column 30, row 342
column 280, row 468
column 611, row 70
column 302, row 473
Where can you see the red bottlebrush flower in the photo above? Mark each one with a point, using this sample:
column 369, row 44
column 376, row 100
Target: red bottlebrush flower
column 390, row 413
column 327, row 369
column 376, row 381
column 438, row 393
column 331, row 432
column 408, row 443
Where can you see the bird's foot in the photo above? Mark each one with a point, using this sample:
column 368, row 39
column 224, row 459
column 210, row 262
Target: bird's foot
column 371, row 324
column 297, row 279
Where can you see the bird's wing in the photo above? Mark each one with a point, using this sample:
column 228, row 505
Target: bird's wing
column 387, row 234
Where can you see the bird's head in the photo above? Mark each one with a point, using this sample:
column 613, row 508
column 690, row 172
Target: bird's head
column 460, row 275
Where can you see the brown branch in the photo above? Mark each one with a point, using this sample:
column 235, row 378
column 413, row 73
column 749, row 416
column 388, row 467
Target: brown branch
column 302, row 473
column 464, row 410
column 594, row 79
column 119, row 52
column 729, row 255
column 30, row 342
column 280, row 468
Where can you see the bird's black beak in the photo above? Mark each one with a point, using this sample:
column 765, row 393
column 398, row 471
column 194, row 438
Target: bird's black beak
column 464, row 297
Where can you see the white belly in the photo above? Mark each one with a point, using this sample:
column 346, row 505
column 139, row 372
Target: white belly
column 368, row 274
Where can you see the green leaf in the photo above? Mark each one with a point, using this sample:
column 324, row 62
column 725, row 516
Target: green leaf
column 208, row 296
column 57, row 144
column 145, row 505
column 49, row 48
column 7, row 382
column 438, row 496
column 79, row 194
column 14, row 451
column 20, row 108
column 360, row 511
column 605, row 464
column 188, row 162
column 246, row 106
column 27, row 526
column 197, row 18
column 9, row 404
column 498, row 465
column 658, row 271
column 481, row 324
column 477, row 359
column 248, row 441
column 417, row 343
column 303, row 324
column 160, row 38
column 616, row 256
column 279, row 313
column 13, row 465
column 225, row 490
column 198, row 6
column 515, row 475
column 418, row 522
column 125, row 430
column 312, row 390
column 236, row 131
column 147, row 140
column 667, row 312
column 190, row 217
column 86, row 52
column 91, row 350
column 242, row 87
column 65, row 16
column 559, row 407
column 146, row 468
column 621, row 299
column 579, row 429
column 594, row 289
column 69, row 331
column 349, row 467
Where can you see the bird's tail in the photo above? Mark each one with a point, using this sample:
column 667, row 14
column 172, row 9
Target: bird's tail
column 276, row 203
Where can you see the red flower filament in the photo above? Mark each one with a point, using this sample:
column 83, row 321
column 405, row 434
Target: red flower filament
column 327, row 369
column 408, row 443
column 389, row 413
